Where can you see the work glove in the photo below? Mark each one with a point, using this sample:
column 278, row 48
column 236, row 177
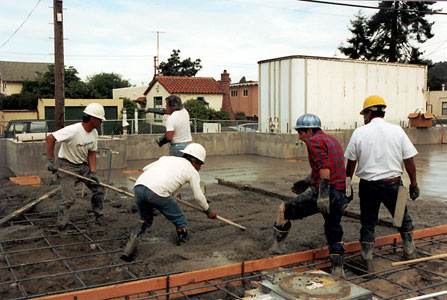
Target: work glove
column 301, row 185
column 52, row 165
column 94, row 176
column 349, row 190
column 323, row 197
column 414, row 192
column 161, row 141
column 210, row 213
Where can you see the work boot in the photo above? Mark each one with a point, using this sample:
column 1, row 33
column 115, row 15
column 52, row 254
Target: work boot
column 62, row 219
column 280, row 232
column 408, row 245
column 337, row 262
column 182, row 236
column 132, row 244
column 367, row 255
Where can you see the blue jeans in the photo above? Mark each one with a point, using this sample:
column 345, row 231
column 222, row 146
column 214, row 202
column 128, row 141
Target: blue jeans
column 305, row 204
column 148, row 200
column 174, row 150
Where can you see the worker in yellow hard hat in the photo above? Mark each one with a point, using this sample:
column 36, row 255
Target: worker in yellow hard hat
column 381, row 149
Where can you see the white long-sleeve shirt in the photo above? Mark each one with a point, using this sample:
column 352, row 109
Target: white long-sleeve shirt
column 168, row 174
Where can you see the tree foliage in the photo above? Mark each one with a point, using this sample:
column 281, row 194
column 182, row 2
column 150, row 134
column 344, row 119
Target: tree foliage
column 130, row 106
column 102, row 84
column 389, row 34
column 176, row 67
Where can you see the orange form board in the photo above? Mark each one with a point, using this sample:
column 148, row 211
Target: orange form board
column 26, row 180
column 196, row 277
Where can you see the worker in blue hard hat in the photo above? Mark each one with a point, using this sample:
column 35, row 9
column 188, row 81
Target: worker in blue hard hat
column 323, row 190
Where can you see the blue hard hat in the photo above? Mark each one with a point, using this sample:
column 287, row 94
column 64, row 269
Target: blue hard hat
column 307, row 121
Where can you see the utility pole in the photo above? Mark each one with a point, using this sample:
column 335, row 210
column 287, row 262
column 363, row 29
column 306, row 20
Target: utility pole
column 59, row 93
column 157, row 58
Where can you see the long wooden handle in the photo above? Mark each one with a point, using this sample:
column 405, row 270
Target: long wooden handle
column 200, row 209
column 400, row 263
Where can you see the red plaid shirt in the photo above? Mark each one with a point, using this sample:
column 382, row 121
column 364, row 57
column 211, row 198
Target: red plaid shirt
column 325, row 152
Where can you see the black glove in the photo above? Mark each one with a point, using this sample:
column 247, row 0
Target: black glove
column 323, row 197
column 52, row 165
column 414, row 192
column 163, row 140
column 94, row 176
column 301, row 185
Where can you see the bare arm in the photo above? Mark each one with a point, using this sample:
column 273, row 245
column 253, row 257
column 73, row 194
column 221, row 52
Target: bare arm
column 350, row 168
column 91, row 158
column 169, row 135
column 51, row 141
column 325, row 174
column 410, row 166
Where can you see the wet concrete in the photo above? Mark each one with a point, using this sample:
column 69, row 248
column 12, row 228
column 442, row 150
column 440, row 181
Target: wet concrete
column 431, row 163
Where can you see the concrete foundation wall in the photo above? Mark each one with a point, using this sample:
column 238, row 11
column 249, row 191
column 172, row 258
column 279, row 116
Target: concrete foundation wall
column 25, row 159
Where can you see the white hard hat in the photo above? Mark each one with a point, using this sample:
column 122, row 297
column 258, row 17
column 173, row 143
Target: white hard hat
column 95, row 110
column 195, row 150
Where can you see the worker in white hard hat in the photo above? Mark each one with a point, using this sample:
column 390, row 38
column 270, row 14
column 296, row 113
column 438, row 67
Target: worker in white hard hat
column 323, row 190
column 381, row 150
column 77, row 154
column 154, row 189
column 178, row 130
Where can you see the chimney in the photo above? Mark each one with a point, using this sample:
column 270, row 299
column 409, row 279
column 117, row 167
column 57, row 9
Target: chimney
column 224, row 86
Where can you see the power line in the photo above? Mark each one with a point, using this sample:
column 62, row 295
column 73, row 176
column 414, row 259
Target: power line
column 38, row 1
column 373, row 7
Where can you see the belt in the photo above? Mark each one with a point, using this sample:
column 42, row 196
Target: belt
column 392, row 180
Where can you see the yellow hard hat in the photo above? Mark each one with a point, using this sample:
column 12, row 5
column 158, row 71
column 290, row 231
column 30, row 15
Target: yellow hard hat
column 372, row 101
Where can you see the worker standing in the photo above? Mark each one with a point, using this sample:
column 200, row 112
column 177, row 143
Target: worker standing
column 77, row 154
column 381, row 150
column 154, row 189
column 178, row 130
column 321, row 191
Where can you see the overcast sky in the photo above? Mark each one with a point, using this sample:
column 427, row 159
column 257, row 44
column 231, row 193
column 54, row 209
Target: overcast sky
column 119, row 35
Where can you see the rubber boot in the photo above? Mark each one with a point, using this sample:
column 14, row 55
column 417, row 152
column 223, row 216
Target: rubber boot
column 281, row 231
column 62, row 218
column 367, row 255
column 337, row 262
column 132, row 244
column 409, row 248
column 182, row 235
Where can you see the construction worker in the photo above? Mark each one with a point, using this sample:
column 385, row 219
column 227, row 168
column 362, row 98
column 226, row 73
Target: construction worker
column 77, row 154
column 381, row 150
column 178, row 131
column 154, row 189
column 321, row 191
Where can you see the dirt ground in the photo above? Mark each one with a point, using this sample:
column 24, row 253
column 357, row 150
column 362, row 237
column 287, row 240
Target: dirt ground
column 212, row 243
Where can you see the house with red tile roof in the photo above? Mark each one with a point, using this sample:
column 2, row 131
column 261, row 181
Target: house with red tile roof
column 214, row 93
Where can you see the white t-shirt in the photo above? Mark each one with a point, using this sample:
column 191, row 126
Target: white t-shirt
column 168, row 174
column 379, row 148
column 76, row 142
column 178, row 122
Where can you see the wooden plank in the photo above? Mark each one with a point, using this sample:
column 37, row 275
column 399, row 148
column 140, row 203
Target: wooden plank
column 413, row 261
column 26, row 180
column 27, row 207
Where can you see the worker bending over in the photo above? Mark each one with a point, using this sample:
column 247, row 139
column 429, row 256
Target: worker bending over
column 178, row 130
column 154, row 188
column 381, row 150
column 77, row 154
column 321, row 191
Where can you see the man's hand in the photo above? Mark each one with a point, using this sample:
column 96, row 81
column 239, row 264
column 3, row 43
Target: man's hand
column 94, row 176
column 414, row 192
column 349, row 191
column 210, row 214
column 52, row 165
column 301, row 185
column 161, row 141
column 323, row 197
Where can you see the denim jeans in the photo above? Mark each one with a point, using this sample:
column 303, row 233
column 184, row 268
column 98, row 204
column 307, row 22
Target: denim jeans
column 147, row 200
column 305, row 204
column 372, row 194
column 174, row 150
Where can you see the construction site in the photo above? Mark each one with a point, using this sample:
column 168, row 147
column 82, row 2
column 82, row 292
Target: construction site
column 220, row 260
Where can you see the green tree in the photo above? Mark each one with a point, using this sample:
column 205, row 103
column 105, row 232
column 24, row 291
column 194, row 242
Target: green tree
column 176, row 67
column 130, row 106
column 102, row 84
column 240, row 116
column 197, row 109
column 388, row 34
column 19, row 101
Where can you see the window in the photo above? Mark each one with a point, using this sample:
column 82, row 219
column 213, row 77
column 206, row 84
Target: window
column 201, row 98
column 158, row 101
column 233, row 93
column 444, row 108
column 38, row 127
column 245, row 93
